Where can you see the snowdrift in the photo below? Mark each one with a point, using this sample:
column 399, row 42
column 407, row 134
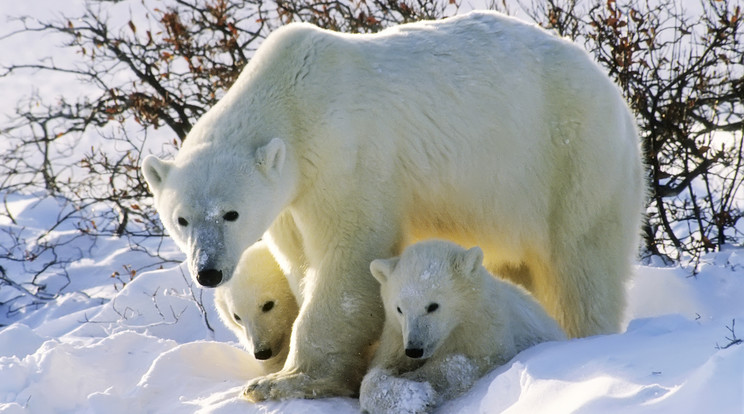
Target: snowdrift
column 157, row 345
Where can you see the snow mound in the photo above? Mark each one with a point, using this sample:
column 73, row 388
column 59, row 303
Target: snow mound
column 157, row 345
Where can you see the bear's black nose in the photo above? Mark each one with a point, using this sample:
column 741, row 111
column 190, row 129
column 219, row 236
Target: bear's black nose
column 414, row 352
column 262, row 354
column 209, row 277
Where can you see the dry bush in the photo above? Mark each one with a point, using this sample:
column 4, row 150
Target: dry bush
column 151, row 69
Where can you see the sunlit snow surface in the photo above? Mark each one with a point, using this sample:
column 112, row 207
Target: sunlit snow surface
column 147, row 347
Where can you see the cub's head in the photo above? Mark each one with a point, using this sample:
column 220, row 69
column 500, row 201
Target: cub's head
column 423, row 292
column 258, row 306
column 215, row 202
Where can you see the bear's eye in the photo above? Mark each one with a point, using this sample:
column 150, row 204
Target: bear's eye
column 432, row 307
column 183, row 222
column 237, row 318
column 398, row 309
column 230, row 216
column 267, row 306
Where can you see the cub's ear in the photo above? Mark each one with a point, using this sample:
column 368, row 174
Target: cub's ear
column 382, row 268
column 155, row 171
column 471, row 260
column 270, row 157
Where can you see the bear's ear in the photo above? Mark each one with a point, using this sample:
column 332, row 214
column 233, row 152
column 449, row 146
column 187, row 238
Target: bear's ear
column 270, row 157
column 471, row 260
column 382, row 268
column 155, row 171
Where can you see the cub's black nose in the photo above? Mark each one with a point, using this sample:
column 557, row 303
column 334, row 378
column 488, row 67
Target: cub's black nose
column 262, row 354
column 209, row 277
column 414, row 352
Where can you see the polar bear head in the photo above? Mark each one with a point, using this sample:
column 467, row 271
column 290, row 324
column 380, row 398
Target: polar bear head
column 258, row 306
column 215, row 201
column 424, row 292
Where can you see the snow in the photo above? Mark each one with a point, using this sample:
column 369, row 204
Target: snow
column 148, row 347
column 155, row 344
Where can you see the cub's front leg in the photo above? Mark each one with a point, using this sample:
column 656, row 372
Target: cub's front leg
column 450, row 375
column 384, row 391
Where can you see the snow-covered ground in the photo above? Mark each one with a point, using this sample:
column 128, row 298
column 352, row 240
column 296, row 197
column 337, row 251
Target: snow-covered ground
column 148, row 346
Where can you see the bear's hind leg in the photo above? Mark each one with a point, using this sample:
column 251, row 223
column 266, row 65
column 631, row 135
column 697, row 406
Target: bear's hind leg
column 585, row 292
column 584, row 288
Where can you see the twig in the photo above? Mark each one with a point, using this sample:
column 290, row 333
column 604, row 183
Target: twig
column 733, row 340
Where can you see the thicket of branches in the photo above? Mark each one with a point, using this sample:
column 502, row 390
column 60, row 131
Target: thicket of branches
column 152, row 68
column 682, row 73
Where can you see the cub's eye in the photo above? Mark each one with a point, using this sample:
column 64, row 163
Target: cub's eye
column 182, row 222
column 237, row 318
column 267, row 306
column 432, row 307
column 399, row 311
column 230, row 216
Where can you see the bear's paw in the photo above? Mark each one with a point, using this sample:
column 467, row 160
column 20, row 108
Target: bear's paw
column 284, row 385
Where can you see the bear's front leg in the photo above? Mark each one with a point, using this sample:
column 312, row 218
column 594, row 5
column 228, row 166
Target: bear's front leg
column 290, row 384
column 340, row 319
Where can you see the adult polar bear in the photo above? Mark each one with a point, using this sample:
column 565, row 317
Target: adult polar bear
column 340, row 149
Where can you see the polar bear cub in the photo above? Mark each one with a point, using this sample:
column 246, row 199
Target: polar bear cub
column 259, row 307
column 448, row 322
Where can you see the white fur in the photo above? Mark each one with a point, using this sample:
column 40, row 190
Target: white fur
column 479, row 322
column 340, row 149
column 242, row 306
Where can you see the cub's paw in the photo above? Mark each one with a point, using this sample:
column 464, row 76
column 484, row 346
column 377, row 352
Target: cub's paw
column 385, row 394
